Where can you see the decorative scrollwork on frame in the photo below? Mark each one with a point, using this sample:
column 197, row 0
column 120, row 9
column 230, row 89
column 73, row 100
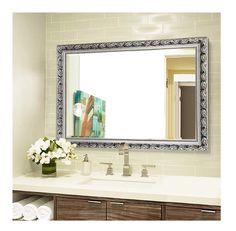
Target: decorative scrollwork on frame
column 167, row 145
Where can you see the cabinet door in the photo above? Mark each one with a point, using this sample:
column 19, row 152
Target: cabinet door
column 80, row 209
column 181, row 213
column 126, row 210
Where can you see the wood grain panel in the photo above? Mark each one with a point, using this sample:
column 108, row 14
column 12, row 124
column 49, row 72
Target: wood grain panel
column 133, row 211
column 199, row 206
column 181, row 213
column 74, row 207
column 80, row 209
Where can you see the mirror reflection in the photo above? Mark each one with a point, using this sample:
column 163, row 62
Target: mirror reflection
column 143, row 94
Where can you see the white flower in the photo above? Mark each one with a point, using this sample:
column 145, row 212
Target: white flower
column 34, row 149
column 30, row 156
column 39, row 152
column 45, row 155
column 37, row 158
column 66, row 149
column 45, row 160
column 61, row 141
column 57, row 154
column 40, row 144
column 63, row 155
column 66, row 146
column 31, row 150
column 45, row 145
column 53, row 155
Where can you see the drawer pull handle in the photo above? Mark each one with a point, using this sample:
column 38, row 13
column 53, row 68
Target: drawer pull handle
column 116, row 203
column 208, row 211
column 95, row 202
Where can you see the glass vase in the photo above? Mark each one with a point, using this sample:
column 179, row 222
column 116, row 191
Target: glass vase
column 49, row 169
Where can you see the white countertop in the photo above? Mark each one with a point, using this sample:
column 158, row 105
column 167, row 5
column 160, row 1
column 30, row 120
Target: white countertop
column 182, row 189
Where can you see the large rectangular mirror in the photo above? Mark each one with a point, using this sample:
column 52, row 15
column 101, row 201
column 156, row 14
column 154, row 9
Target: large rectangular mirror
column 149, row 94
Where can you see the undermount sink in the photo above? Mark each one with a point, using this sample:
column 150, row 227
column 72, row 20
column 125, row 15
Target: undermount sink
column 118, row 181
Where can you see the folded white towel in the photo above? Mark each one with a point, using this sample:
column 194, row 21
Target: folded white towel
column 46, row 211
column 18, row 206
column 30, row 210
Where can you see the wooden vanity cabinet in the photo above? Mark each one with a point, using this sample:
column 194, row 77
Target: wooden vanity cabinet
column 191, row 212
column 80, row 209
column 72, row 207
column 132, row 210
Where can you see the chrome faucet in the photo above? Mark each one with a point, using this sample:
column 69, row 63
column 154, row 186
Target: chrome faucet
column 124, row 150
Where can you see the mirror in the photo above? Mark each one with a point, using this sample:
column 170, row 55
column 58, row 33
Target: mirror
column 149, row 94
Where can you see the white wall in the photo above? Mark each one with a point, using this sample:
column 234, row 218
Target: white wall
column 28, row 86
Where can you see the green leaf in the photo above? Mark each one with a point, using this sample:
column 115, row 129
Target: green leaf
column 45, row 138
column 52, row 145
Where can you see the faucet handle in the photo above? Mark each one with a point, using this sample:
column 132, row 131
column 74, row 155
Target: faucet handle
column 145, row 171
column 109, row 168
column 124, row 147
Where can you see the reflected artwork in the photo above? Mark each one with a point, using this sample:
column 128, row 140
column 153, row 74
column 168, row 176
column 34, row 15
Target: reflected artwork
column 89, row 115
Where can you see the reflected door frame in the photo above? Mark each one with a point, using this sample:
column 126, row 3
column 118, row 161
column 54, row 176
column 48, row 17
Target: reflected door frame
column 177, row 106
column 170, row 102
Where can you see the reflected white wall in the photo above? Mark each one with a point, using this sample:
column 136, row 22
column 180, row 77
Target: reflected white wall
column 129, row 82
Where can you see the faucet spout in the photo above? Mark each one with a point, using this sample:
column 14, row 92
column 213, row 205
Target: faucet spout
column 124, row 150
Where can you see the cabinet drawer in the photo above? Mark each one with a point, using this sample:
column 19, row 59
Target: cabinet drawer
column 80, row 209
column 119, row 210
column 180, row 213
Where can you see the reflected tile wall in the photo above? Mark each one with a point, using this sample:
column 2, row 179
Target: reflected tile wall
column 105, row 27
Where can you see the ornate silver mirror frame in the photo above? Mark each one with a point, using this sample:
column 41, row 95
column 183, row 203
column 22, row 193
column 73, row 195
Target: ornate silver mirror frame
column 201, row 46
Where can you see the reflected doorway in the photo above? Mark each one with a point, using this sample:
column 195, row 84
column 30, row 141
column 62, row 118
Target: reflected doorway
column 185, row 110
column 180, row 98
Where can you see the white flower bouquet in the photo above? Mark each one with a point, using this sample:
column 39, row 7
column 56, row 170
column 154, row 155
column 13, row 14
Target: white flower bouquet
column 45, row 151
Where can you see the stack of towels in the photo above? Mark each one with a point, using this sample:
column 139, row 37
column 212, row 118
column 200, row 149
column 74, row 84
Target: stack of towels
column 33, row 208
